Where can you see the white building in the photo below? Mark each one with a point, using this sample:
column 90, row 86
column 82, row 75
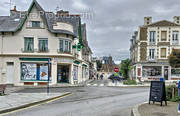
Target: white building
column 29, row 39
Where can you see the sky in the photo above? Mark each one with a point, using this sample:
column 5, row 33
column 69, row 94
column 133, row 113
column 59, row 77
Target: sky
column 110, row 23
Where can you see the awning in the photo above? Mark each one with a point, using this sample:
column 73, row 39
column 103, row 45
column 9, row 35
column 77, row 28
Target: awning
column 76, row 62
column 34, row 59
column 84, row 65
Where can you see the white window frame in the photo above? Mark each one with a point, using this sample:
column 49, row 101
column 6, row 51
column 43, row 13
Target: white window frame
column 69, row 48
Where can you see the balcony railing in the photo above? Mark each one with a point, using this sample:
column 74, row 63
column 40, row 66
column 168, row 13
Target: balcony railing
column 63, row 52
column 152, row 59
column 175, row 42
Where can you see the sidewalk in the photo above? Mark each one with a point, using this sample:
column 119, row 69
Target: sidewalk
column 15, row 101
column 157, row 110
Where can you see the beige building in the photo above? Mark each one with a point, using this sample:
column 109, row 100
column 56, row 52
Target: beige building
column 28, row 39
column 150, row 47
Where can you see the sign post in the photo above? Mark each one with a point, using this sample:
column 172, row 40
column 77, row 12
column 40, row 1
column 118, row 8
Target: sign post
column 179, row 95
column 48, row 77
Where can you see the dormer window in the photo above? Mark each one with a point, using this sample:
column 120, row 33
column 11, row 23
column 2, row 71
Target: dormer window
column 35, row 24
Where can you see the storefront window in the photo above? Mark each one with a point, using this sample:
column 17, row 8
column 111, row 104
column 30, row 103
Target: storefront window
column 34, row 72
column 175, row 72
column 75, row 72
column 151, row 71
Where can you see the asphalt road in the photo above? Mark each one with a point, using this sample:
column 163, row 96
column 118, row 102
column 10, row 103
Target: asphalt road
column 89, row 101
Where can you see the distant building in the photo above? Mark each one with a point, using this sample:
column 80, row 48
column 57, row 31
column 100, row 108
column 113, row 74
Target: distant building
column 108, row 64
column 150, row 47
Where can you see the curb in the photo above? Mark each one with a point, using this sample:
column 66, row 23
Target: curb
column 134, row 111
column 37, row 87
column 33, row 104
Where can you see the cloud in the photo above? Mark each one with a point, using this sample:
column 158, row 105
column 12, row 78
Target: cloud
column 79, row 4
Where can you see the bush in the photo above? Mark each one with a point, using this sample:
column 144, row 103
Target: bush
column 169, row 93
column 130, row 82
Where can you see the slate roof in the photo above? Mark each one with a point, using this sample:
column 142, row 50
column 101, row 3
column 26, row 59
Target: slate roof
column 10, row 24
column 162, row 23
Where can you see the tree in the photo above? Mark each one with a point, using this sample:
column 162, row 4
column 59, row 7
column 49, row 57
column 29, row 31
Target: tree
column 99, row 65
column 174, row 58
column 125, row 68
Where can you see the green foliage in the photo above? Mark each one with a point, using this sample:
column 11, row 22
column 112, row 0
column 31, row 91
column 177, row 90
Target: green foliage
column 130, row 82
column 169, row 93
column 99, row 65
column 174, row 58
column 125, row 68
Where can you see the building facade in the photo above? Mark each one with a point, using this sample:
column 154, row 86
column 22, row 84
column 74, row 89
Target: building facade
column 33, row 40
column 150, row 47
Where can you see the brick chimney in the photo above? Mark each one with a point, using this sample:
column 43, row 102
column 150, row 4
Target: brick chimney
column 14, row 9
column 147, row 20
column 62, row 13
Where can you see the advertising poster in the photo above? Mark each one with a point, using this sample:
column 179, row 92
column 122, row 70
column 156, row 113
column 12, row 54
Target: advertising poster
column 43, row 72
column 28, row 71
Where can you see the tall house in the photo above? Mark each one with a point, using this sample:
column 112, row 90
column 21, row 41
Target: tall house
column 150, row 47
column 33, row 40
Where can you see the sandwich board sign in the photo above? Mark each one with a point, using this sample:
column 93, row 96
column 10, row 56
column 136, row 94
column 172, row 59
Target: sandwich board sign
column 157, row 92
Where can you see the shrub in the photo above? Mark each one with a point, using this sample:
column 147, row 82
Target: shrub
column 169, row 93
column 129, row 82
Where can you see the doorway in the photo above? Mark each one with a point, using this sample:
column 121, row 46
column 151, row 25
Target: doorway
column 166, row 72
column 62, row 74
column 10, row 72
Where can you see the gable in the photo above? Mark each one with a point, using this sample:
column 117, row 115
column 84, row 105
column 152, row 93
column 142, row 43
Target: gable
column 162, row 23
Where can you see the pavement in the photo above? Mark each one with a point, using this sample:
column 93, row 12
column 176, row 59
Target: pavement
column 14, row 101
column 157, row 110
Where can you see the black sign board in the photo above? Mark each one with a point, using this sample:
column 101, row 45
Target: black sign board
column 157, row 92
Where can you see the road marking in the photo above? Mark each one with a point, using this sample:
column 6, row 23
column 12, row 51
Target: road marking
column 101, row 85
column 18, row 110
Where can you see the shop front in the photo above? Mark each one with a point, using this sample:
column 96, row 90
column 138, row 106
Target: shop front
column 34, row 72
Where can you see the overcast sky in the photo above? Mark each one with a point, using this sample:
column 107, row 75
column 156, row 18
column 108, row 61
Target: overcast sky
column 111, row 23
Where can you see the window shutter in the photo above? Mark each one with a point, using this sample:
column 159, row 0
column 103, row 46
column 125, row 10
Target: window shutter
column 163, row 52
column 163, row 35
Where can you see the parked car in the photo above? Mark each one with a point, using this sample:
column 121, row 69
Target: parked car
column 115, row 77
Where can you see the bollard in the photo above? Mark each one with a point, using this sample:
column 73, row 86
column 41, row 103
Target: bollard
column 179, row 95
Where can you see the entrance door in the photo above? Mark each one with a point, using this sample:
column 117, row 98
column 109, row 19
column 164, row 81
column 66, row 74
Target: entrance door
column 10, row 73
column 63, row 74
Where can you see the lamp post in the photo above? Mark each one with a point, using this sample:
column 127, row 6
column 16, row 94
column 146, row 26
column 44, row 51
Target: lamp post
column 48, row 77
column 179, row 95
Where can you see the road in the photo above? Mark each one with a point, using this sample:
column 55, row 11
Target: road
column 89, row 101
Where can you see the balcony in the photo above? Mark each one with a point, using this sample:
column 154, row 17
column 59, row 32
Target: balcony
column 150, row 59
column 63, row 52
column 175, row 42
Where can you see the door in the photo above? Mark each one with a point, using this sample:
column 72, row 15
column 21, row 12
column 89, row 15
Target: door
column 10, row 73
column 166, row 73
column 63, row 74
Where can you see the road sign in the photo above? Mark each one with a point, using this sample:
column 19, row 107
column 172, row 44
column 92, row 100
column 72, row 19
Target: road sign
column 116, row 69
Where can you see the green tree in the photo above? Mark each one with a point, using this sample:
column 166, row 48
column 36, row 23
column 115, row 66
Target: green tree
column 99, row 65
column 174, row 58
column 125, row 68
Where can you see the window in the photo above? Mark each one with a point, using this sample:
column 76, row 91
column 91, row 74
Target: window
column 43, row 45
column 35, row 23
column 152, row 36
column 163, row 35
column 151, row 54
column 175, row 37
column 163, row 52
column 28, row 44
column 64, row 46
column 150, row 71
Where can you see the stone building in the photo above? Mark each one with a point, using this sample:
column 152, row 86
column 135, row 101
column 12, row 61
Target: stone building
column 150, row 47
column 29, row 39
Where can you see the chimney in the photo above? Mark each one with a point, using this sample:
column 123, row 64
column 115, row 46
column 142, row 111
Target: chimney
column 177, row 19
column 62, row 13
column 14, row 9
column 147, row 20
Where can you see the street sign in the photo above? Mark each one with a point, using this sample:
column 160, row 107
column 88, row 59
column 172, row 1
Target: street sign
column 116, row 69
column 157, row 92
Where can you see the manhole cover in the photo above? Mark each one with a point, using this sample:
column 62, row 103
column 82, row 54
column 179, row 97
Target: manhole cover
column 159, row 114
column 80, row 91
